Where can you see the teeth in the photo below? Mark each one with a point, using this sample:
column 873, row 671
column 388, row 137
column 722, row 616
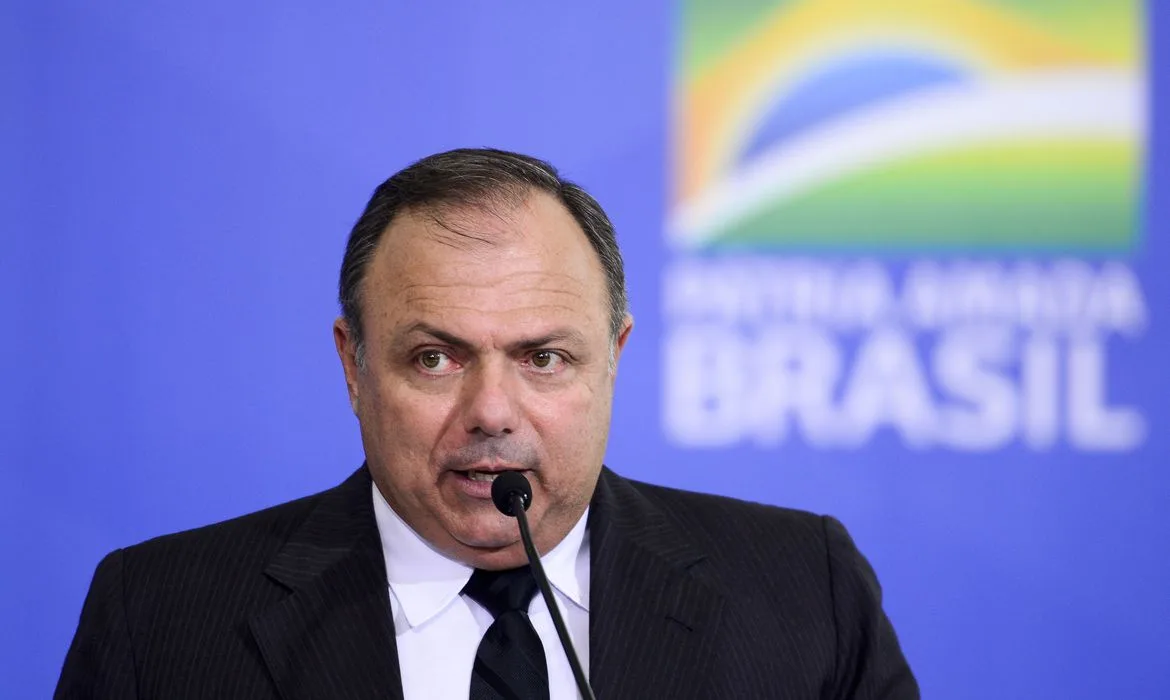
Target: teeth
column 481, row 476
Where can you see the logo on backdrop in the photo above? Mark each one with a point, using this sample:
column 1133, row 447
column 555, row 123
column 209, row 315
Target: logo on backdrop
column 913, row 216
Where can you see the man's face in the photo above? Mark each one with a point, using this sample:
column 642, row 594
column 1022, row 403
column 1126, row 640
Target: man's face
column 484, row 352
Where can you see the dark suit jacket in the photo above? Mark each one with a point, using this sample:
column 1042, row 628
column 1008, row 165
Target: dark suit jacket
column 692, row 596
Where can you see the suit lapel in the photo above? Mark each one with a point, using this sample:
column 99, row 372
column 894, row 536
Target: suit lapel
column 652, row 620
column 333, row 636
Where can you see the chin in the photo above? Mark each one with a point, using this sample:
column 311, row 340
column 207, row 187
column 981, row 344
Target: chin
column 491, row 536
column 508, row 557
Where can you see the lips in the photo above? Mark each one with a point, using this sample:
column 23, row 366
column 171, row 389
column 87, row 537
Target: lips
column 468, row 472
column 476, row 481
column 487, row 473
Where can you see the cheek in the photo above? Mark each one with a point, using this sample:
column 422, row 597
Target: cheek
column 572, row 428
column 409, row 424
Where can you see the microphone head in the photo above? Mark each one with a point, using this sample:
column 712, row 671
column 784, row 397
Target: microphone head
column 507, row 485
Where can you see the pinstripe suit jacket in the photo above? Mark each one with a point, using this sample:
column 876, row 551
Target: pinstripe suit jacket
column 692, row 596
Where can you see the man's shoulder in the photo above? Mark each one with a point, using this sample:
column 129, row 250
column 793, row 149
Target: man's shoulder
column 754, row 550
column 717, row 519
column 241, row 543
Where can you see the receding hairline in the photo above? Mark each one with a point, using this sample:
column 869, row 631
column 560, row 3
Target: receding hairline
column 455, row 223
column 490, row 178
column 589, row 273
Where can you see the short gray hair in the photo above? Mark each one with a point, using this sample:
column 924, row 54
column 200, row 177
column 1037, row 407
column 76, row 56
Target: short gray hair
column 468, row 177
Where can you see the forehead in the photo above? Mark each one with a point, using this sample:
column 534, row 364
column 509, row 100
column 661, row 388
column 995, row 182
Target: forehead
column 522, row 263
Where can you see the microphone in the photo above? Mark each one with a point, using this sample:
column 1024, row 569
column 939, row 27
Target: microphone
column 512, row 495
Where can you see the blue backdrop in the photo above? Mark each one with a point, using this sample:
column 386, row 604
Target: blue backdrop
column 178, row 181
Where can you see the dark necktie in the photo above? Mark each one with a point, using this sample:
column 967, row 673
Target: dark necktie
column 510, row 663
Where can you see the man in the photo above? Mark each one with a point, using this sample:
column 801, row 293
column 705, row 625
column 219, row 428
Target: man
column 483, row 317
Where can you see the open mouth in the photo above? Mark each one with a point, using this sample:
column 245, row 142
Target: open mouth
column 488, row 474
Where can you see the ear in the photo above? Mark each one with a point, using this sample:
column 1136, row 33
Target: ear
column 346, row 351
column 623, row 336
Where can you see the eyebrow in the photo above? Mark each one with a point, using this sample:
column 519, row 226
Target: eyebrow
column 557, row 335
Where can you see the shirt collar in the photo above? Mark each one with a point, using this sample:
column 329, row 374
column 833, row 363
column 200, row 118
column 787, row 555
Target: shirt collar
column 425, row 581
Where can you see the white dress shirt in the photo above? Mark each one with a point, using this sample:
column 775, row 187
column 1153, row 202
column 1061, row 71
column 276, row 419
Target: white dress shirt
column 438, row 630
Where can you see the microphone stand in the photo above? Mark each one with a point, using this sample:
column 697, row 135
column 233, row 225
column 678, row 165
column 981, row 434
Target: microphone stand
column 512, row 495
column 517, row 501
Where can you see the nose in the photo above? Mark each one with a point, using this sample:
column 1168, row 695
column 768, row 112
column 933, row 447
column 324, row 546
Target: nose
column 489, row 404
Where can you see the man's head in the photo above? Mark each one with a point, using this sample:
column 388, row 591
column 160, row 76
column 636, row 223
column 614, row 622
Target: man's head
column 483, row 312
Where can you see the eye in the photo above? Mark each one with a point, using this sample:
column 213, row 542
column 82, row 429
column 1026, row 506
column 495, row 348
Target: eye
column 434, row 362
column 546, row 360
